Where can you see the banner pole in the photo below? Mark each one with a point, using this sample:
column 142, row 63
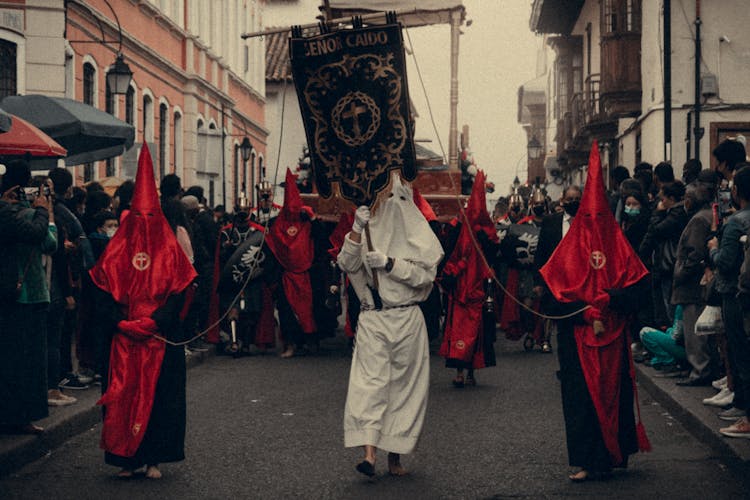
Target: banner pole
column 370, row 249
column 341, row 20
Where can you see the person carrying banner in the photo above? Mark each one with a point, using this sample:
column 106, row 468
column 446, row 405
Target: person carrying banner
column 141, row 277
column 469, row 329
column 595, row 266
column 389, row 377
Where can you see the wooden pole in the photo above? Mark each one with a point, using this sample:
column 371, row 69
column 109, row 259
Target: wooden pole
column 453, row 133
column 370, row 249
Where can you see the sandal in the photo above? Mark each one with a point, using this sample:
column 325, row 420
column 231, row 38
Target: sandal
column 366, row 468
column 458, row 382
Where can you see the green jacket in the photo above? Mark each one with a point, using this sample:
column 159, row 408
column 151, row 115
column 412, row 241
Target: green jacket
column 32, row 237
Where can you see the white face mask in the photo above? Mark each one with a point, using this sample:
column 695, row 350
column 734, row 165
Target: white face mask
column 111, row 232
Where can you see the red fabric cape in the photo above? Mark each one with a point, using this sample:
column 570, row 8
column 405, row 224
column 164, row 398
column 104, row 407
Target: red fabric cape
column 290, row 240
column 462, row 339
column 594, row 257
column 141, row 268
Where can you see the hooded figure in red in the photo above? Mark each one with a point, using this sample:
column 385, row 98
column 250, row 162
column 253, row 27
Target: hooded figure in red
column 467, row 343
column 595, row 265
column 143, row 269
column 290, row 240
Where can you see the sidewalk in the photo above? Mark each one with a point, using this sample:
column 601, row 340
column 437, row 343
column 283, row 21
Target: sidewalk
column 62, row 423
column 685, row 404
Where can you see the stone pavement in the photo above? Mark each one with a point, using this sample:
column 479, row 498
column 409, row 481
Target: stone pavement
column 683, row 403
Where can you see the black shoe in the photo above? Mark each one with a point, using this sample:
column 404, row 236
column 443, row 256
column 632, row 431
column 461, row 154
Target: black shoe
column 366, row 468
column 71, row 382
column 694, row 382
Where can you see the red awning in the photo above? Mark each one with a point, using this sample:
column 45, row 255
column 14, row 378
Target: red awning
column 24, row 138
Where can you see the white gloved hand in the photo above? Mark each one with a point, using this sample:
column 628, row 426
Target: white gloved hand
column 376, row 260
column 361, row 218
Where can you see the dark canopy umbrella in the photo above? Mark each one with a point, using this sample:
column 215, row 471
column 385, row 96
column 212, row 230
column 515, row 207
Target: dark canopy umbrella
column 5, row 121
column 87, row 133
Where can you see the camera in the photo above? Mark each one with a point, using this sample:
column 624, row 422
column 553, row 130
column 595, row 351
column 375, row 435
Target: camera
column 30, row 193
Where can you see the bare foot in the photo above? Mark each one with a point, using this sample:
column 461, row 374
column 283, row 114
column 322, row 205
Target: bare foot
column 394, row 465
column 288, row 353
column 580, row 476
column 153, row 472
column 125, row 474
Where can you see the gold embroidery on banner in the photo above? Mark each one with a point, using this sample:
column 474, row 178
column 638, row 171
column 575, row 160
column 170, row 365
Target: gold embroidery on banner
column 348, row 118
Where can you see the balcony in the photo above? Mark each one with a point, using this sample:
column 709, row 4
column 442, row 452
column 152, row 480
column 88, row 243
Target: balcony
column 585, row 120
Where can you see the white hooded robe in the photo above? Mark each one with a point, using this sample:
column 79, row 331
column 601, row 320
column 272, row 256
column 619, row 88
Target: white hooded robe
column 389, row 376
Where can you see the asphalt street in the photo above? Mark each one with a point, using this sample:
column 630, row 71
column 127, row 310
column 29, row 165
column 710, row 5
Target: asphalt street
column 266, row 427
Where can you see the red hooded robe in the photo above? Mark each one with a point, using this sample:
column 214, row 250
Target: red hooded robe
column 141, row 268
column 462, row 339
column 595, row 257
column 290, row 240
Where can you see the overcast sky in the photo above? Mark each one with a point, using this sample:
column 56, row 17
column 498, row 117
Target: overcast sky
column 497, row 54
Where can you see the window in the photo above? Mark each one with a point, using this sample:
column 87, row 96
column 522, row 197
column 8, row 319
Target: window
column 177, row 143
column 109, row 107
column 621, row 16
column 163, row 118
column 8, row 71
column 130, row 106
column 148, row 119
column 89, row 78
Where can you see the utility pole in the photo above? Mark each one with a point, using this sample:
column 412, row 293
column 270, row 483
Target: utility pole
column 698, row 131
column 667, row 81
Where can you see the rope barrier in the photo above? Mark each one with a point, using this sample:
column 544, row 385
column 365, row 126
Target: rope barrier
column 254, row 265
column 461, row 207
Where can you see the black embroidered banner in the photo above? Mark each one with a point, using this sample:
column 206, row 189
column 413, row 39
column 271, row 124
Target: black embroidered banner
column 354, row 99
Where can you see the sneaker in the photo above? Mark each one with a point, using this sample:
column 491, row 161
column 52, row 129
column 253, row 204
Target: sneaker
column 85, row 378
column 739, row 429
column 71, row 382
column 732, row 414
column 719, row 384
column 57, row 398
column 723, row 398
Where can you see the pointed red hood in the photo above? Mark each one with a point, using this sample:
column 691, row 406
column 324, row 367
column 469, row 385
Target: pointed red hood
column 290, row 238
column 594, row 256
column 143, row 264
column 476, row 209
column 423, row 206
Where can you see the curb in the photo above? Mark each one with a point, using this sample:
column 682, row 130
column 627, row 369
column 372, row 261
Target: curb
column 62, row 424
column 685, row 404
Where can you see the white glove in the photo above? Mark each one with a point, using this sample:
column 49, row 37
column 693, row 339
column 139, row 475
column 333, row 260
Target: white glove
column 376, row 260
column 361, row 218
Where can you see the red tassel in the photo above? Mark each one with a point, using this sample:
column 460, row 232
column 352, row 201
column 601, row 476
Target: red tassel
column 643, row 443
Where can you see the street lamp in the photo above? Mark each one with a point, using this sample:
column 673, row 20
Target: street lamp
column 119, row 75
column 534, row 148
column 246, row 148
